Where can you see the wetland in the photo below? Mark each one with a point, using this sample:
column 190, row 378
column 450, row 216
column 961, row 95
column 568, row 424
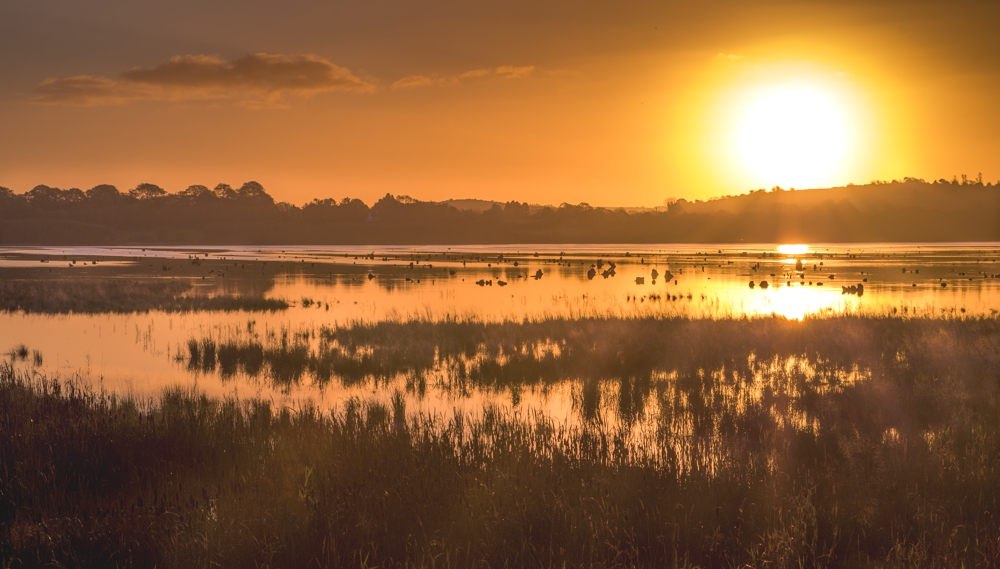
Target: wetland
column 482, row 406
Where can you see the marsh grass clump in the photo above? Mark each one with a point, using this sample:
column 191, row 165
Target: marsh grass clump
column 850, row 442
column 207, row 354
column 96, row 296
column 19, row 352
column 194, row 354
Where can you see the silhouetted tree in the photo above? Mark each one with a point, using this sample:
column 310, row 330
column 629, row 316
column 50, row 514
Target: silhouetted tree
column 104, row 193
column 147, row 192
column 224, row 191
column 45, row 196
column 196, row 191
column 515, row 209
column 253, row 191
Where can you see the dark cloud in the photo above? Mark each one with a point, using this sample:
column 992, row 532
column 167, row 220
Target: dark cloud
column 254, row 79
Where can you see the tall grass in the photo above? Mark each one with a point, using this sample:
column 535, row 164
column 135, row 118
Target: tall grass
column 120, row 296
column 850, row 443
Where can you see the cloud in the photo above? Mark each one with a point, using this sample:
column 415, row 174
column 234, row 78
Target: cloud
column 504, row 71
column 258, row 79
column 511, row 72
column 86, row 90
column 475, row 73
column 413, row 81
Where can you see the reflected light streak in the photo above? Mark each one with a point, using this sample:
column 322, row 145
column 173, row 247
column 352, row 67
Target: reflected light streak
column 796, row 249
column 795, row 302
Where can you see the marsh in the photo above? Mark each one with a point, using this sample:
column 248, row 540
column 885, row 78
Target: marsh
column 279, row 406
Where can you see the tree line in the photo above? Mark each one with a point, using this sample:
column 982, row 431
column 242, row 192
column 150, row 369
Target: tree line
column 906, row 210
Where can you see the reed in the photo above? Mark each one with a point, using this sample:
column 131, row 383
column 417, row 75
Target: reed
column 842, row 442
column 502, row 355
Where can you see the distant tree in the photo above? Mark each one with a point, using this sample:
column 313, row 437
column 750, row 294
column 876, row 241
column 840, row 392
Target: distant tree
column 195, row 191
column 224, row 191
column 330, row 210
column 387, row 203
column 42, row 195
column 353, row 209
column 147, row 191
column 387, row 208
column 514, row 208
column 495, row 212
column 318, row 203
column 254, row 191
column 103, row 193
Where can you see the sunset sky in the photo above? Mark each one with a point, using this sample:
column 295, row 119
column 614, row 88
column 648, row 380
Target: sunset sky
column 546, row 102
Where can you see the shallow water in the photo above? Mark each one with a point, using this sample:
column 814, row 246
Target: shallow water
column 328, row 286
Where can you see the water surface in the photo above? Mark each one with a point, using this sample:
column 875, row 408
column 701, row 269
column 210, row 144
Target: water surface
column 141, row 353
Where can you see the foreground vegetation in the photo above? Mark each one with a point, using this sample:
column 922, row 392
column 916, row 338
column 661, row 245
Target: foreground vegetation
column 839, row 442
column 118, row 295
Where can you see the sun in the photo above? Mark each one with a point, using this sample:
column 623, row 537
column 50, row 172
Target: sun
column 793, row 136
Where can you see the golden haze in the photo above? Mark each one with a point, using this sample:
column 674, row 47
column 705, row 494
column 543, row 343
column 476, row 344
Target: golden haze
column 582, row 104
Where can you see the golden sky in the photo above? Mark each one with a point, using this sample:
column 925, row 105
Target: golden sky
column 545, row 102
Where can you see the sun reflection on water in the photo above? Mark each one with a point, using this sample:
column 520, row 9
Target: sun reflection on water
column 796, row 301
column 794, row 249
